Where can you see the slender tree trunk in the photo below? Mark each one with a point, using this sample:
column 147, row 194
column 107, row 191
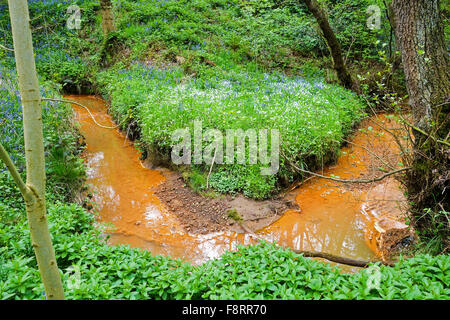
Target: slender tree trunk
column 333, row 44
column 108, row 26
column 420, row 37
column 34, row 149
column 107, row 17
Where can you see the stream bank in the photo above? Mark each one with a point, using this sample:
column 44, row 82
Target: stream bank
column 154, row 210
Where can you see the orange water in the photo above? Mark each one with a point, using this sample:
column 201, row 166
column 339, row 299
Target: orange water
column 331, row 219
column 121, row 189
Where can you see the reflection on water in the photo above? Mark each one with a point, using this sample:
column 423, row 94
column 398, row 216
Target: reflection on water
column 121, row 189
column 323, row 225
column 330, row 220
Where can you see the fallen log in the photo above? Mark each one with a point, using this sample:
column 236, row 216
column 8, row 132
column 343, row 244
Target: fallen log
column 323, row 255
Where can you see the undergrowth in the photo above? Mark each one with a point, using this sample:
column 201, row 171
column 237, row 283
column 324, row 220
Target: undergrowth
column 64, row 166
column 93, row 270
column 176, row 60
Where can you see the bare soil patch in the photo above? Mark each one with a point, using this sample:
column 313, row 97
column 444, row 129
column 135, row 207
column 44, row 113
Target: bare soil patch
column 199, row 213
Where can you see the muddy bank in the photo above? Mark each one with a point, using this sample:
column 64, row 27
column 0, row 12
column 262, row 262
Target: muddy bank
column 205, row 214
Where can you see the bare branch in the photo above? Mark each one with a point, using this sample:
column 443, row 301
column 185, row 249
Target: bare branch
column 24, row 190
column 424, row 133
column 397, row 140
column 370, row 152
column 384, row 176
column 350, row 180
column 79, row 104
column 5, row 48
column 212, row 163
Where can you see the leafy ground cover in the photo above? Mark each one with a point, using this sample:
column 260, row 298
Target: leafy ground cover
column 196, row 64
column 173, row 62
column 229, row 76
column 246, row 44
column 64, row 167
column 93, row 270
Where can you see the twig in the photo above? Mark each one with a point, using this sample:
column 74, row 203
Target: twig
column 442, row 104
column 397, row 140
column 350, row 180
column 424, row 133
column 348, row 52
column 370, row 152
column 5, row 48
column 400, row 145
column 298, row 185
column 35, row 18
column 210, row 168
column 128, row 130
column 79, row 104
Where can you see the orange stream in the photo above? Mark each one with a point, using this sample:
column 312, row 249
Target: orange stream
column 331, row 219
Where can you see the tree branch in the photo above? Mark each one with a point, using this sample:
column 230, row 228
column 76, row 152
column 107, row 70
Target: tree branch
column 5, row 48
column 370, row 152
column 346, row 180
column 424, row 133
column 210, row 169
column 24, row 190
column 384, row 176
column 79, row 104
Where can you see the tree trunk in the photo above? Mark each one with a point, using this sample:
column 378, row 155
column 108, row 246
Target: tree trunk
column 333, row 43
column 34, row 149
column 420, row 37
column 107, row 17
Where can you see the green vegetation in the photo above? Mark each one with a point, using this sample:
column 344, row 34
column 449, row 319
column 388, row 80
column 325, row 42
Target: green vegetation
column 195, row 64
column 262, row 271
column 65, row 168
column 234, row 214
column 231, row 64
column 273, row 33
column 435, row 232
column 312, row 117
